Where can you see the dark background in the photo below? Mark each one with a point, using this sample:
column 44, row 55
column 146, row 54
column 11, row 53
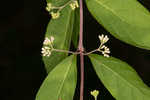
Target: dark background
column 22, row 29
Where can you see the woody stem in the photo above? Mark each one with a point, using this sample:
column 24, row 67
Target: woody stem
column 81, row 50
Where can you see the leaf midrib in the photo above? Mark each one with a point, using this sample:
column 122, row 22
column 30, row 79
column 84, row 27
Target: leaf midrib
column 63, row 81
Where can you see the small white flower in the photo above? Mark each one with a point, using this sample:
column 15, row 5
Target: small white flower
column 55, row 15
column 103, row 39
column 106, row 55
column 52, row 39
column 102, row 47
column 48, row 41
column 46, row 51
column 106, row 50
column 49, row 7
column 74, row 5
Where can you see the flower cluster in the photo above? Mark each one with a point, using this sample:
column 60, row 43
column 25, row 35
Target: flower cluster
column 50, row 7
column 74, row 5
column 55, row 11
column 48, row 46
column 95, row 94
column 102, row 48
column 46, row 51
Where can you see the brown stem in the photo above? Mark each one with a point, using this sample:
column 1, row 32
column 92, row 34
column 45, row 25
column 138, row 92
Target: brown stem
column 81, row 50
column 82, row 76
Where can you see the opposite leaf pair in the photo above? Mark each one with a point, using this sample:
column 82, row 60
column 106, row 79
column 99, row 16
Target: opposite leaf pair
column 116, row 76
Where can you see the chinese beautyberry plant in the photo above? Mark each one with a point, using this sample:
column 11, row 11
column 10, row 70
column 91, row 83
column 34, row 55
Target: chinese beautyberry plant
column 127, row 20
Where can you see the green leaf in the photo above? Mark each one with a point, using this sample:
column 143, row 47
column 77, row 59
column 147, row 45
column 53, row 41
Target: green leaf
column 61, row 82
column 61, row 29
column 127, row 20
column 120, row 79
column 76, row 27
